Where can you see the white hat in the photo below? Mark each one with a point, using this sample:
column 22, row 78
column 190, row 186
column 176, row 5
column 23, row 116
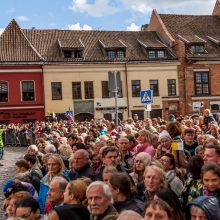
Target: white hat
column 164, row 134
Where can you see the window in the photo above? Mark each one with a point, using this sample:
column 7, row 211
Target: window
column 160, row 53
column 120, row 54
column 28, row 93
column 202, row 83
column 72, row 53
column 136, row 88
column 76, row 90
column 89, row 91
column 151, row 53
column 56, row 90
column 112, row 54
column 105, row 89
column 155, row 87
column 67, row 54
column 3, row 91
column 197, row 48
column 156, row 53
column 171, row 84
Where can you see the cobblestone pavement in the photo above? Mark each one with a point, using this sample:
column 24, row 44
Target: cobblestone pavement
column 11, row 155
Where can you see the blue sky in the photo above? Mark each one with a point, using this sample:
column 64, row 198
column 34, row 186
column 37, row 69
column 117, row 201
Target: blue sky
column 94, row 14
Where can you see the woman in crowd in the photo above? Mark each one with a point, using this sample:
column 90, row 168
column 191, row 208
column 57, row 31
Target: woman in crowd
column 145, row 140
column 169, row 166
column 164, row 144
column 203, row 207
column 74, row 208
column 55, row 167
column 158, row 210
column 11, row 202
column 193, row 186
column 142, row 160
column 211, row 180
column 122, row 193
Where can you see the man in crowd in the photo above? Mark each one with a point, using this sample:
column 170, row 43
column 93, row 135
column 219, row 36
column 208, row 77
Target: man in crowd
column 212, row 154
column 100, row 201
column 55, row 197
column 80, row 165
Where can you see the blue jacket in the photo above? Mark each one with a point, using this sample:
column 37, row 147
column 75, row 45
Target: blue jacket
column 208, row 204
column 44, row 188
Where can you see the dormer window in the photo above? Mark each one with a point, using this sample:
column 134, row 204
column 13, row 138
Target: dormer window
column 197, row 48
column 72, row 53
column 156, row 53
column 112, row 54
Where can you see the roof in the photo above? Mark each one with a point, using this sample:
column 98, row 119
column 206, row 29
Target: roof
column 14, row 46
column 36, row 44
column 195, row 29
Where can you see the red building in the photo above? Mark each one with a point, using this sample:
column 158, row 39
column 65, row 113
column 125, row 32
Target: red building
column 196, row 42
column 21, row 78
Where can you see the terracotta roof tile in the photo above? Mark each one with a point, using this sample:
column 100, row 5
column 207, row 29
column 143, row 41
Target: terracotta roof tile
column 34, row 44
column 14, row 46
column 195, row 29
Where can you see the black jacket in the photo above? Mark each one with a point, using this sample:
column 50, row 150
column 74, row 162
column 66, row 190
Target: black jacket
column 73, row 212
column 85, row 171
column 130, row 204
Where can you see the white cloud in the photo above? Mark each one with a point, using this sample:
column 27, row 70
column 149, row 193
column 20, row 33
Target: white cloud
column 133, row 27
column 171, row 6
column 22, row 18
column 1, row 30
column 98, row 9
column 78, row 27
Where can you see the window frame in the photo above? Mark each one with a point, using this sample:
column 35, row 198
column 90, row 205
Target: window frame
column 21, row 90
column 89, row 89
column 134, row 84
column 156, row 53
column 56, row 97
column 201, row 83
column 103, row 89
column 6, row 99
column 152, row 87
column 79, row 90
column 171, row 87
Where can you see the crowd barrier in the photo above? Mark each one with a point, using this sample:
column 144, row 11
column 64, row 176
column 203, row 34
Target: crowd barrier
column 15, row 138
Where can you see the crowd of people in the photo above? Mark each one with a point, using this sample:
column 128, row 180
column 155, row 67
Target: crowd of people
column 148, row 169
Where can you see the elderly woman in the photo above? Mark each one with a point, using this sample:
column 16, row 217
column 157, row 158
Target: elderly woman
column 164, row 144
column 74, row 197
column 145, row 140
column 169, row 166
column 142, row 160
column 55, row 167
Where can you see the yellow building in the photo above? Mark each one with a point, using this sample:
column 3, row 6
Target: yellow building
column 76, row 67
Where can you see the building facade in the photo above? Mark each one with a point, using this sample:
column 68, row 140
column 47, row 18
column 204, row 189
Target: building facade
column 21, row 78
column 196, row 42
column 61, row 70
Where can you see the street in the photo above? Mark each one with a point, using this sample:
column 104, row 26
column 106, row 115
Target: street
column 12, row 154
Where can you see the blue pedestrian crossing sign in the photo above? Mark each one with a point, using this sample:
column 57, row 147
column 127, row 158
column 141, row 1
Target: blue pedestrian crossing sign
column 69, row 113
column 147, row 97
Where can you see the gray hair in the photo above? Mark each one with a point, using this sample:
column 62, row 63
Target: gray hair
column 50, row 148
column 61, row 181
column 144, row 157
column 129, row 214
column 33, row 147
column 105, row 187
